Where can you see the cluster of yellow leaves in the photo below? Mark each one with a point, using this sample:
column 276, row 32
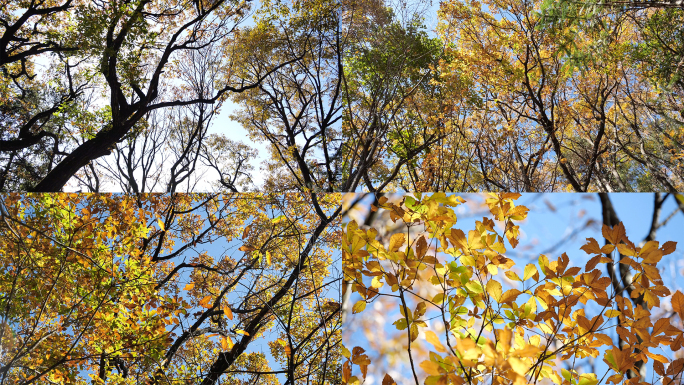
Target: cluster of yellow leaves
column 122, row 277
column 356, row 357
column 517, row 335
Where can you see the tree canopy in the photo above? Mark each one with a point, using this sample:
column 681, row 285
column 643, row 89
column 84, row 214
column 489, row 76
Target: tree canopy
column 169, row 289
column 341, row 95
column 469, row 314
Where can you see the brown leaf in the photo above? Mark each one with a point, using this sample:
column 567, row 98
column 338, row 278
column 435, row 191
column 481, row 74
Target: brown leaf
column 592, row 263
column 668, row 247
column 592, row 247
column 246, row 231
column 421, row 247
column 346, row 371
column 388, row 380
column 614, row 235
column 678, row 303
column 458, row 238
column 659, row 368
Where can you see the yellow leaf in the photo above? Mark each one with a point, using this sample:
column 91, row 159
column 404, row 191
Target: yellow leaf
column 358, row 307
column 278, row 219
column 345, row 352
column 474, row 240
column 588, row 379
column 535, row 340
column 228, row 312
column 494, row 289
column 432, row 338
column 238, row 331
column 268, row 258
column 530, row 270
column 189, row 286
column 513, row 276
column 226, row 343
column 246, row 248
column 161, row 224
column 430, row 367
column 499, row 247
column 396, row 241
column 518, row 365
column 468, row 349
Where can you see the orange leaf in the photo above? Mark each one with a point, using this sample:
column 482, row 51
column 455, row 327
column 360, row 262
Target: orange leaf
column 614, row 235
column 510, row 295
column 430, row 367
column 204, row 302
column 652, row 256
column 592, row 247
column 660, row 326
column 346, row 372
column 678, row 303
column 246, row 248
column 226, row 343
column 228, row 312
column 657, row 357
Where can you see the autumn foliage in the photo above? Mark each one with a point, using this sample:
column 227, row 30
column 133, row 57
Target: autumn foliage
column 500, row 327
column 168, row 289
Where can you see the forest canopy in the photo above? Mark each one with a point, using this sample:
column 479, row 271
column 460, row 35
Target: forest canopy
column 440, row 293
column 341, row 95
column 169, row 289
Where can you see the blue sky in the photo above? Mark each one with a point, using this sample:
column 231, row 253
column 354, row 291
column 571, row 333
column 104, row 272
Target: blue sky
column 556, row 223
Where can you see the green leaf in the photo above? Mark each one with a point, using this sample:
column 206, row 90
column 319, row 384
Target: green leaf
column 475, row 287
